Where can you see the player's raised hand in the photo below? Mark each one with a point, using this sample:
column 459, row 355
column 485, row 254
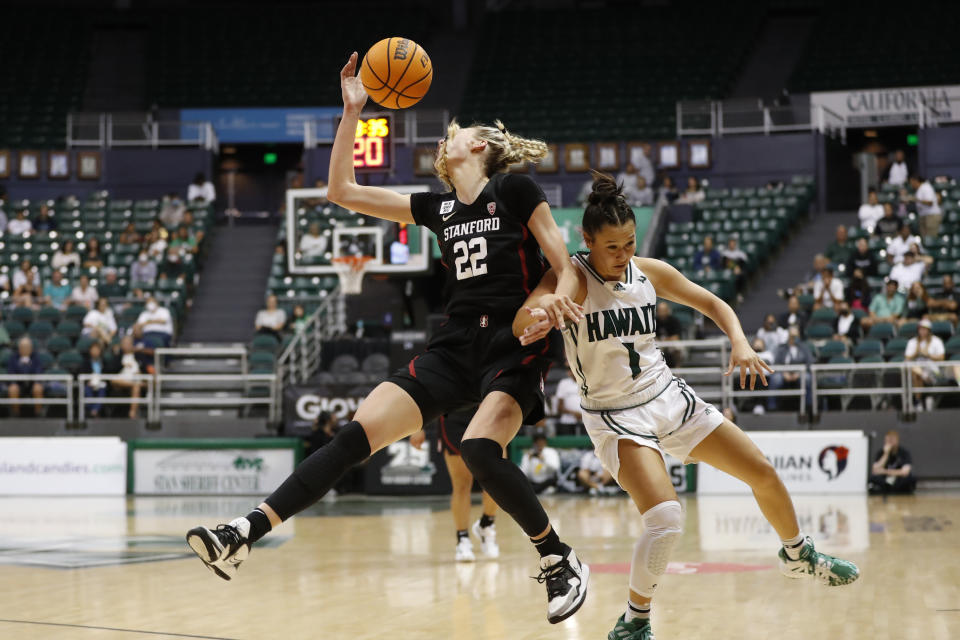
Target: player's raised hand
column 539, row 329
column 744, row 357
column 354, row 95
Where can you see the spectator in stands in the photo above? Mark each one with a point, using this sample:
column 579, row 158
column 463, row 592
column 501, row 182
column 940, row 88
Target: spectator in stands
column 924, row 348
column 298, row 319
column 669, row 329
column 314, row 244
column 627, row 178
column 901, row 244
column 792, row 352
column 191, row 224
column 667, row 192
column 156, row 323
column 57, row 291
column 541, row 465
column 129, row 370
column 91, row 257
column 820, row 262
column 846, row 326
column 885, row 308
column 26, row 281
column 272, row 320
column 569, row 414
column 898, row 172
column 129, row 235
column 44, row 222
column 916, row 304
column 944, row 307
column 862, row 259
column 4, row 334
column 201, row 190
column 184, row 240
column 889, row 225
column 642, row 195
column 65, row 257
column 592, row 476
column 24, row 363
column 928, row 206
column 100, row 323
column 110, row 287
column 870, row 211
column 892, row 470
column 142, row 350
column 20, row 224
column 143, row 270
column 734, row 257
column 322, row 431
column 909, row 271
column 159, row 232
column 693, row 193
column 858, row 293
column 760, row 347
column 906, row 204
column 707, row 257
column 794, row 316
column 771, row 334
column 83, row 294
column 829, row 291
column 95, row 387
column 840, row 250
column 171, row 211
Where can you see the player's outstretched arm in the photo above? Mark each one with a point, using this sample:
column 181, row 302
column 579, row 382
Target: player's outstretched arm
column 673, row 285
column 559, row 304
column 342, row 187
column 532, row 322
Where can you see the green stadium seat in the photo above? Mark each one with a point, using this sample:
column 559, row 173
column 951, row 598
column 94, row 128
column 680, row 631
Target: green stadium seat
column 70, row 361
column 58, row 344
column 881, row 331
column 40, row 330
column 69, row 328
column 868, row 347
column 896, row 346
column 23, row 315
column 14, row 328
column 832, row 349
column 819, row 331
column 264, row 342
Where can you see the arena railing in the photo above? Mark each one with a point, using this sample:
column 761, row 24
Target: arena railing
column 301, row 358
column 262, row 380
column 719, row 118
column 26, row 398
column 106, row 130
column 147, row 399
column 411, row 126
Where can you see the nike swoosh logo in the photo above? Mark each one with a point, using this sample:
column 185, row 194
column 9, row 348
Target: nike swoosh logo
column 448, row 216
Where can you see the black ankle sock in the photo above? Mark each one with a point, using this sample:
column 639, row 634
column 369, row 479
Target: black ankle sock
column 461, row 534
column 550, row 545
column 486, row 521
column 259, row 525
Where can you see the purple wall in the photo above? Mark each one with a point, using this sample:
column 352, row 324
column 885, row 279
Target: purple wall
column 939, row 151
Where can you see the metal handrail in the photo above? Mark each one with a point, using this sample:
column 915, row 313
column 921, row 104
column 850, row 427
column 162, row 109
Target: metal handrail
column 65, row 378
column 147, row 399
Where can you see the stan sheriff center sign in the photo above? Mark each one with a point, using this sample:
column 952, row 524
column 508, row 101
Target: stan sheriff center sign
column 891, row 106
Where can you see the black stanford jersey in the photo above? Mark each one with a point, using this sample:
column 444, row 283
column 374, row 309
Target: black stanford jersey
column 492, row 259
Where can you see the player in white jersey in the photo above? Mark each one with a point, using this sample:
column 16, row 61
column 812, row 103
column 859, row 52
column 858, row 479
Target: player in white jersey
column 635, row 409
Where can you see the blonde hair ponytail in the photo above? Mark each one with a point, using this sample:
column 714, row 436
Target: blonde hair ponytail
column 503, row 149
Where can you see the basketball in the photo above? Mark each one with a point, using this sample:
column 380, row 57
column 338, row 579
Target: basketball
column 396, row 72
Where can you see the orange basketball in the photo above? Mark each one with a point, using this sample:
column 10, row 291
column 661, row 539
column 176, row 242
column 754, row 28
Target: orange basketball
column 396, row 72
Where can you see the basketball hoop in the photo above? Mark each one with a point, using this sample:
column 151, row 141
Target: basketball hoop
column 350, row 270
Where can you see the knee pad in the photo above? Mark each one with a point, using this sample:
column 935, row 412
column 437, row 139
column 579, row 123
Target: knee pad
column 481, row 455
column 348, row 448
column 663, row 525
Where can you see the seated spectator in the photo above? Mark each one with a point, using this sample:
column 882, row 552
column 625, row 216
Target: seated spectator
column 271, row 320
column 322, row 431
column 44, row 222
column 828, row 292
column 91, row 257
column 794, row 316
column 99, row 323
column 642, row 195
column 627, row 179
column 693, row 193
column 791, row 352
column 669, row 329
column 24, row 363
column 298, row 319
column 184, row 240
column 83, row 294
column 190, row 224
column 4, row 334
column 760, row 347
column 143, row 271
column 772, row 335
column 898, row 172
column 314, row 244
column 889, row 225
column 171, row 211
column 929, row 213
column 820, row 262
column 541, row 465
column 915, row 304
column 201, row 190
column 156, row 323
column 142, row 350
column 735, row 259
column 925, row 347
column 65, row 257
column 592, row 476
column 26, row 280
column 667, row 192
column 156, row 246
column 129, row 370
column 111, row 288
column 846, row 326
column 862, row 258
column 57, row 291
column 858, row 293
column 840, row 250
column 870, row 212
column 95, row 387
column 129, row 235
column 707, row 257
column 567, row 394
column 20, row 224
column 885, row 308
column 892, row 470
column 944, row 307
column 909, row 271
column 173, row 266
column 902, row 243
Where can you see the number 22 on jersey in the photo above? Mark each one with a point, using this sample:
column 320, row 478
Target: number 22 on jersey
column 470, row 257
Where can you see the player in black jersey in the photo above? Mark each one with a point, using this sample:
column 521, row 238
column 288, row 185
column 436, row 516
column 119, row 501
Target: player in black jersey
column 491, row 228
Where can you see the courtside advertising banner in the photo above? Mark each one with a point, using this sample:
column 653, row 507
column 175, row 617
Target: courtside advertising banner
column 63, row 466
column 891, row 105
column 819, row 462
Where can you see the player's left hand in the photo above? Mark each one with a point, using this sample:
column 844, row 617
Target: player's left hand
column 744, row 357
column 539, row 329
column 559, row 307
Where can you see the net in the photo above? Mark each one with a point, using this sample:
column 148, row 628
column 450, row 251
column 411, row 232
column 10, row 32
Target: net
column 350, row 270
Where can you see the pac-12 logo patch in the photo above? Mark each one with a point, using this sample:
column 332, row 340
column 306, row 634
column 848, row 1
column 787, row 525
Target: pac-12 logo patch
column 446, row 206
column 491, row 208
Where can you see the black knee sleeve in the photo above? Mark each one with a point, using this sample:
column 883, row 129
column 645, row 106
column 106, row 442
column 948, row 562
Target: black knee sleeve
column 505, row 483
column 320, row 471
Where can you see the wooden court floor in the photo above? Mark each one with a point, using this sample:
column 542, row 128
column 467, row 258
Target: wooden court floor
column 85, row 568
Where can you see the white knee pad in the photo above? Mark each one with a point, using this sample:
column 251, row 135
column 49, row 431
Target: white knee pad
column 663, row 525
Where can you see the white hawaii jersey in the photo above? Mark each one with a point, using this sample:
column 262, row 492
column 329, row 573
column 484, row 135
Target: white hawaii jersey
column 611, row 351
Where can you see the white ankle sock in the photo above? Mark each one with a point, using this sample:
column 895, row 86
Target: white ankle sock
column 635, row 611
column 793, row 546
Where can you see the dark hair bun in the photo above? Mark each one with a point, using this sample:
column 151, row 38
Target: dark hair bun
column 605, row 190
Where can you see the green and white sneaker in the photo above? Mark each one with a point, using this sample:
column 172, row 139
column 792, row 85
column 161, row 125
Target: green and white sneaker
column 827, row 570
column 636, row 629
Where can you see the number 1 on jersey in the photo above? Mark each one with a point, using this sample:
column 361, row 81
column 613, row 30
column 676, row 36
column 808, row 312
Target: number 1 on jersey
column 634, row 359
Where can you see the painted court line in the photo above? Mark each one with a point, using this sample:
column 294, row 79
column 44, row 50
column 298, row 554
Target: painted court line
column 85, row 626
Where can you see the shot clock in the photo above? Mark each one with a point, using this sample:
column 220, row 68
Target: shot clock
column 373, row 144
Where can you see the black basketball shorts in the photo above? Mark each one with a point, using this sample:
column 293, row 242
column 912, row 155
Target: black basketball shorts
column 450, row 430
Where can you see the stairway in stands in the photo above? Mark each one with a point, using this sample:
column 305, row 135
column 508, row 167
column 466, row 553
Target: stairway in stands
column 777, row 50
column 232, row 285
